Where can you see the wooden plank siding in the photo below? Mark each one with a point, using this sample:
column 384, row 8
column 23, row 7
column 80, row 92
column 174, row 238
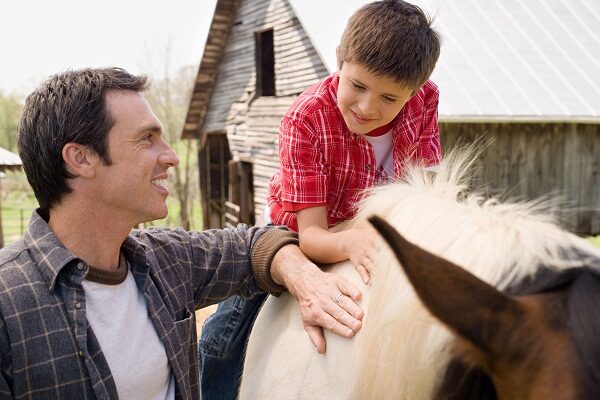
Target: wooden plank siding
column 234, row 89
column 528, row 161
column 206, row 77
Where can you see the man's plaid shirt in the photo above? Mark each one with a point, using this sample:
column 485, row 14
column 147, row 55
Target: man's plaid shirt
column 324, row 163
column 49, row 351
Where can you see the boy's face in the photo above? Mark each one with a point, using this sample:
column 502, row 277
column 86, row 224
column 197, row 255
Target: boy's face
column 368, row 101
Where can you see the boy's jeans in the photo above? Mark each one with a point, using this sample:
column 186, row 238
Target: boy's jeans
column 222, row 347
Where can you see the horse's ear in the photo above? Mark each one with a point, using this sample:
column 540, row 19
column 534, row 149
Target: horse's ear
column 471, row 307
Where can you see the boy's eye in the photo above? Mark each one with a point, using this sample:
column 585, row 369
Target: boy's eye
column 357, row 86
column 389, row 99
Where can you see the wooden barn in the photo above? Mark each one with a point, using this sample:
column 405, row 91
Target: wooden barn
column 526, row 75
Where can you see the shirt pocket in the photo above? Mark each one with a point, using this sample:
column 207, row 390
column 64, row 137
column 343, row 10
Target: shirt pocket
column 184, row 326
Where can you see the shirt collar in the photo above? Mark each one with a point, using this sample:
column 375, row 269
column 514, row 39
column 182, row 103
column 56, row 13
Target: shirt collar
column 333, row 87
column 48, row 253
column 51, row 256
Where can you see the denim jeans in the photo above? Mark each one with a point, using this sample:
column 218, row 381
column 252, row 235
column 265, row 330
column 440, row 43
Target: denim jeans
column 222, row 347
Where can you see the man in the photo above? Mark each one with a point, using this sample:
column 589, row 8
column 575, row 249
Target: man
column 90, row 308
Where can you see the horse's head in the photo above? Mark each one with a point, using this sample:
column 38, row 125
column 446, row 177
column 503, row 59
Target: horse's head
column 541, row 341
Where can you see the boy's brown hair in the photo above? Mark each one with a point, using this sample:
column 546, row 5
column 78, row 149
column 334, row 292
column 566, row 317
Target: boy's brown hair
column 391, row 38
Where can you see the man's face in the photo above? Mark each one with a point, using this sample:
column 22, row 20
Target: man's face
column 134, row 185
column 368, row 101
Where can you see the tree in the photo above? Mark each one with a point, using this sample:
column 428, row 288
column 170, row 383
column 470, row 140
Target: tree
column 10, row 109
column 169, row 97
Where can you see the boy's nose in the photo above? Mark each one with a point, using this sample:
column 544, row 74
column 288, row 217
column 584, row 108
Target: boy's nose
column 366, row 106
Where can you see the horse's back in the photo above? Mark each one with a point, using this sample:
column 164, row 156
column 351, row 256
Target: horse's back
column 281, row 361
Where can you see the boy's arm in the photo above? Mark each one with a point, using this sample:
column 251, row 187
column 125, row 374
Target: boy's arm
column 325, row 247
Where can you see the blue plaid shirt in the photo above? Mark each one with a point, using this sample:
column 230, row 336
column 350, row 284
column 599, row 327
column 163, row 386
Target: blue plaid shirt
column 49, row 351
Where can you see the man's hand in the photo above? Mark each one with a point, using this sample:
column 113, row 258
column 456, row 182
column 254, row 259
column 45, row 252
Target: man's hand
column 326, row 300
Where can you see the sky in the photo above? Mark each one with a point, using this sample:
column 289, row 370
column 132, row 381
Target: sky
column 41, row 37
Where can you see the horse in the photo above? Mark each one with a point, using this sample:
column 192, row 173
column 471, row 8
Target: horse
column 492, row 300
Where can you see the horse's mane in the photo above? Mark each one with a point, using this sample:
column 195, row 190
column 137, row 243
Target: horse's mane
column 503, row 243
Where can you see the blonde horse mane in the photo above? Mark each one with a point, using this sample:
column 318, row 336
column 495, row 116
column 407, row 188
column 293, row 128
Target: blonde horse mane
column 499, row 242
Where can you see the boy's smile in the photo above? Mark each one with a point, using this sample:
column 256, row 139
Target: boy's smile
column 368, row 101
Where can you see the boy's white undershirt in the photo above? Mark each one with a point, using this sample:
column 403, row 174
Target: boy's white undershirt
column 384, row 155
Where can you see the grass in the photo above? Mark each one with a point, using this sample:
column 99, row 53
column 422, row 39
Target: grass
column 16, row 211
column 595, row 240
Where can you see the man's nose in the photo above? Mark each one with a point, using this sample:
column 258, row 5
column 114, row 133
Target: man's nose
column 168, row 157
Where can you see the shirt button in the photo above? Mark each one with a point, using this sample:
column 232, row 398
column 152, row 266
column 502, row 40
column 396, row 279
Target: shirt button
column 80, row 353
column 368, row 166
column 78, row 305
column 80, row 266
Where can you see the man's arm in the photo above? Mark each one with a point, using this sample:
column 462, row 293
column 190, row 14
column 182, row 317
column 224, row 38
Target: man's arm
column 316, row 292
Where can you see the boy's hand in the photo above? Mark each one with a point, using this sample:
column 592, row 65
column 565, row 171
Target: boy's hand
column 359, row 245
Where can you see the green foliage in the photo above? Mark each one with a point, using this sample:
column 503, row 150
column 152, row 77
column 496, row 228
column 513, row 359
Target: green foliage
column 595, row 240
column 172, row 220
column 10, row 109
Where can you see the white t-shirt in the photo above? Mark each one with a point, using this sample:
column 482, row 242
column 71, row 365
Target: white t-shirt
column 384, row 156
column 118, row 314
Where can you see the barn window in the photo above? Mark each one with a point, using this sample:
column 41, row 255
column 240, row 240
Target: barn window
column 265, row 63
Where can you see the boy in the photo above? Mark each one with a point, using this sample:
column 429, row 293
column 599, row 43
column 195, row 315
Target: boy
column 350, row 131
column 355, row 129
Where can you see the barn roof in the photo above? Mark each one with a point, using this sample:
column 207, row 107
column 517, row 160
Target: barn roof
column 501, row 59
column 504, row 60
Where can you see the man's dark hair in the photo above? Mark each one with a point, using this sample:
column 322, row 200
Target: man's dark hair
column 391, row 38
column 68, row 107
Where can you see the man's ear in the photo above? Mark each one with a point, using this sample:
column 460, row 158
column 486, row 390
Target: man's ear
column 79, row 159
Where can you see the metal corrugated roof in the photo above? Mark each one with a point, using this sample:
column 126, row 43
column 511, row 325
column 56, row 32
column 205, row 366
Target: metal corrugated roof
column 501, row 59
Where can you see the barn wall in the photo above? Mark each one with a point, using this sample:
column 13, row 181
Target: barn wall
column 527, row 161
column 297, row 64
